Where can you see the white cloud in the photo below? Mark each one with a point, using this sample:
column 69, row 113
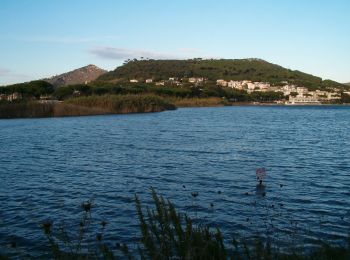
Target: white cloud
column 123, row 53
column 8, row 76
column 116, row 53
column 189, row 50
column 4, row 72
column 68, row 39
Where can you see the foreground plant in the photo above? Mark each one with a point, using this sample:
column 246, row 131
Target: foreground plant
column 167, row 234
column 81, row 246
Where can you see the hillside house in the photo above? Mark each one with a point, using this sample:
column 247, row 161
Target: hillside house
column 196, row 80
column 235, row 84
column 221, row 82
column 302, row 91
column 14, row 96
column 160, row 83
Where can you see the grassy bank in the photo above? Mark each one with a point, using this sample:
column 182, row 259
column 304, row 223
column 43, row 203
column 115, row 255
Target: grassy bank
column 123, row 104
column 25, row 109
column 82, row 106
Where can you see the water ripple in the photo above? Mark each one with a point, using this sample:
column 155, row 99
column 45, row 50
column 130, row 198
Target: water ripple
column 50, row 166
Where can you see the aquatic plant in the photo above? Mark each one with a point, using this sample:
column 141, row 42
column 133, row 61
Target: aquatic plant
column 168, row 234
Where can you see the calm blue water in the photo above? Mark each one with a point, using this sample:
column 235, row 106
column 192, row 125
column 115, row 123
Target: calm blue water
column 48, row 167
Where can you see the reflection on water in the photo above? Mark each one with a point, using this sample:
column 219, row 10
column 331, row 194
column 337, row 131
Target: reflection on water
column 50, row 166
column 260, row 190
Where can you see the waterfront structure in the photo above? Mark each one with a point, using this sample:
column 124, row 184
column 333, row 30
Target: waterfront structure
column 302, row 100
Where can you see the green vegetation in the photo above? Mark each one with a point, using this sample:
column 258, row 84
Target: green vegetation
column 82, row 106
column 167, row 234
column 239, row 69
column 126, row 97
column 345, row 99
column 198, row 102
column 186, row 92
column 121, row 104
column 25, row 109
column 32, row 89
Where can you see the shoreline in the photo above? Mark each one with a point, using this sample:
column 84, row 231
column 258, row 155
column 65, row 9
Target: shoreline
column 95, row 111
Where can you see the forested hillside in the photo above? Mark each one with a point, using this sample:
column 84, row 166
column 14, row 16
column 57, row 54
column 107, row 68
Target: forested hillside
column 238, row 69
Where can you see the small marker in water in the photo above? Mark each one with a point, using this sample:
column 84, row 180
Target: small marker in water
column 194, row 194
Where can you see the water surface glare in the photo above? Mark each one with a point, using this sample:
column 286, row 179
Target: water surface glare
column 48, row 167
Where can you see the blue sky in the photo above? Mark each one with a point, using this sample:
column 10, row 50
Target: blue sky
column 41, row 38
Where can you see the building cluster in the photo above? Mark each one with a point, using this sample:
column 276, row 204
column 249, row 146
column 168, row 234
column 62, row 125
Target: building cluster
column 247, row 85
column 296, row 94
column 10, row 97
column 174, row 81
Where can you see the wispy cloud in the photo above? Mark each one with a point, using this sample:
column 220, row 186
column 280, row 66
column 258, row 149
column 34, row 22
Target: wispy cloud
column 4, row 72
column 122, row 53
column 115, row 53
column 68, row 39
column 8, row 76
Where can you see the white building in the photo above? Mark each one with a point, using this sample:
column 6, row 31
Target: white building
column 196, row 80
column 134, row 81
column 302, row 91
column 332, row 96
column 14, row 96
column 221, row 82
column 160, row 83
column 287, row 89
column 235, row 84
column 303, row 100
column 3, row 97
column 149, row 80
column 262, row 85
column 251, row 85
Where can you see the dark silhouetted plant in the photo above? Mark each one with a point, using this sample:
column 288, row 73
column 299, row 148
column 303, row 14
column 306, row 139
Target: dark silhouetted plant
column 167, row 234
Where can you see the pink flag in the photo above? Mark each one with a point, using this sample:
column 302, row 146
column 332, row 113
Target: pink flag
column 260, row 173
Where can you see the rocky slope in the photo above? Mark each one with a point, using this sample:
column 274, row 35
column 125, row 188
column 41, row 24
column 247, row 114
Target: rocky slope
column 78, row 76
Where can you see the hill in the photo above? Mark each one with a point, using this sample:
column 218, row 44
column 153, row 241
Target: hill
column 78, row 76
column 348, row 84
column 228, row 69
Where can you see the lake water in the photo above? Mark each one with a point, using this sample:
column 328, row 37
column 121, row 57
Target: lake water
column 48, row 167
